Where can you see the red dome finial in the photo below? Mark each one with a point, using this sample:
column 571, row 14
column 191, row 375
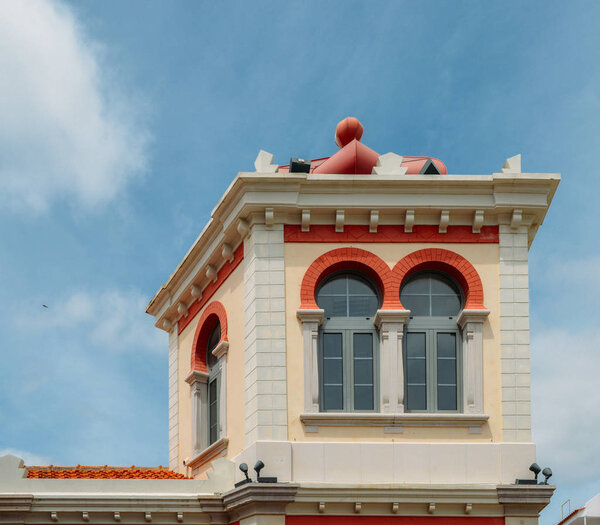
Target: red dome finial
column 347, row 130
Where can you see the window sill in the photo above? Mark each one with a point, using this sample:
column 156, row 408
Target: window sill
column 393, row 423
column 218, row 448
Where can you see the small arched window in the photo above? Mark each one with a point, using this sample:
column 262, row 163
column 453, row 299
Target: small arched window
column 348, row 350
column 432, row 358
column 213, row 384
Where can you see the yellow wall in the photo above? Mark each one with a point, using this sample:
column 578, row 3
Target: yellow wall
column 485, row 259
column 231, row 294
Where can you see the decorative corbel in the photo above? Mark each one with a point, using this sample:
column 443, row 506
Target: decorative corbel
column 409, row 221
column 117, row 516
column 374, row 221
column 395, row 507
column 227, row 252
column 243, row 227
column 269, row 217
column 431, row 508
column 180, row 517
column 477, row 221
column 357, row 507
column 182, row 308
column 167, row 325
column 516, row 219
column 211, row 272
column 85, row 516
column 148, row 517
column 444, row 221
column 54, row 516
column 196, row 291
column 468, row 508
column 305, row 220
column 321, row 507
column 339, row 220
column 264, row 163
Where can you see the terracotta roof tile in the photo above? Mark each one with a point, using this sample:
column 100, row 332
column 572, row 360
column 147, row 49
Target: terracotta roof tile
column 103, row 472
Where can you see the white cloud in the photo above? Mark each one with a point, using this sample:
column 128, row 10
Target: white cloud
column 67, row 131
column 110, row 319
column 566, row 398
column 29, row 458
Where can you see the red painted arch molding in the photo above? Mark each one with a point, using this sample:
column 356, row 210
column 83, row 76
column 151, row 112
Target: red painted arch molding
column 446, row 261
column 213, row 314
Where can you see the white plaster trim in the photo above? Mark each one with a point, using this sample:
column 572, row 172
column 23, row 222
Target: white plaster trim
column 373, row 221
column 339, row 220
column 311, row 320
column 196, row 376
column 218, row 448
column 471, row 323
column 391, row 367
column 444, row 221
column 221, row 349
column 358, row 419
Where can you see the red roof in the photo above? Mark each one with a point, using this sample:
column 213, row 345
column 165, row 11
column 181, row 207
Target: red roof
column 104, row 472
column 356, row 158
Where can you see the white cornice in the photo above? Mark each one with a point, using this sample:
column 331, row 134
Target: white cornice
column 290, row 195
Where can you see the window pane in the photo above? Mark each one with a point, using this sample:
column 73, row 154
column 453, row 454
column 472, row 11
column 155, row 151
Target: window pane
column 212, row 411
column 415, row 372
column 363, row 398
column 363, row 345
column 332, row 344
column 417, row 304
column 446, row 345
column 446, row 371
column 416, row 398
column 442, row 286
column 446, row 397
column 363, row 371
column 419, row 285
column 415, row 344
column 332, row 371
column 363, row 305
column 333, row 397
column 445, row 305
column 357, row 286
column 333, row 306
column 337, row 285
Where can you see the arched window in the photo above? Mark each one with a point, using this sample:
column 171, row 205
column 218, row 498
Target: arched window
column 213, row 384
column 348, row 349
column 432, row 357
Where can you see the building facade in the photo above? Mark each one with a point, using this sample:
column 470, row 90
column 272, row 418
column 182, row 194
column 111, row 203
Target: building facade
column 359, row 324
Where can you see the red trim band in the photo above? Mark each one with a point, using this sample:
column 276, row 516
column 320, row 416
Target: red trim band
column 225, row 271
column 389, row 233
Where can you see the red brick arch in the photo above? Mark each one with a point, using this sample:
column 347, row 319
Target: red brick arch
column 349, row 259
column 214, row 313
column 448, row 262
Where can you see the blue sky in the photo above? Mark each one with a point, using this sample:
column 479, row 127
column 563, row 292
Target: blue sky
column 123, row 123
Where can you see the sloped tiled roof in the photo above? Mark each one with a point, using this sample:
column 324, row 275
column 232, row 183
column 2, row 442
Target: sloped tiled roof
column 103, row 472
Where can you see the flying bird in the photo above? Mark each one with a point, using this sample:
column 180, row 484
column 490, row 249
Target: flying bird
column 45, row 306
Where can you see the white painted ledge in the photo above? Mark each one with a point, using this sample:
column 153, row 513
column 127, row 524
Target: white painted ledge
column 218, row 448
column 393, row 422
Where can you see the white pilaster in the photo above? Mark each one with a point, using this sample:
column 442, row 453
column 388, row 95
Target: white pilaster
column 391, row 332
column 471, row 323
column 221, row 353
column 199, row 404
column 264, row 334
column 311, row 320
column 514, row 333
column 173, row 400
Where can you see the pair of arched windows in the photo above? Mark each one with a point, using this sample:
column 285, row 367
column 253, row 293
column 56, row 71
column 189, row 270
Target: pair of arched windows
column 348, row 343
